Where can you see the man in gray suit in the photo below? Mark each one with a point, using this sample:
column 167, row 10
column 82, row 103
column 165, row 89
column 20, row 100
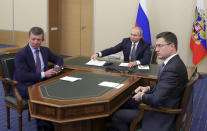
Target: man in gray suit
column 167, row 92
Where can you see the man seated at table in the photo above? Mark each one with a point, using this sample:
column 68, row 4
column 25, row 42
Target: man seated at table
column 31, row 62
column 167, row 91
column 136, row 51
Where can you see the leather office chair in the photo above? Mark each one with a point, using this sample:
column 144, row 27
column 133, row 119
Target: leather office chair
column 153, row 59
column 182, row 123
column 16, row 101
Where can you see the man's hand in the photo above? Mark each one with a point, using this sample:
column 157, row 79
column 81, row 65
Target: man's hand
column 142, row 89
column 131, row 64
column 94, row 56
column 57, row 68
column 138, row 96
column 50, row 73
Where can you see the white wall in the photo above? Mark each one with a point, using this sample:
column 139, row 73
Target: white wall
column 29, row 13
column 6, row 15
column 24, row 15
column 113, row 20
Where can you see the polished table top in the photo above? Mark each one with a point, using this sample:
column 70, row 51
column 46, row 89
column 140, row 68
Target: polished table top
column 79, row 63
column 73, row 106
column 87, row 87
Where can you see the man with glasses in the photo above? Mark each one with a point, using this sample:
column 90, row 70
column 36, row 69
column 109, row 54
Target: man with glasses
column 167, row 92
column 136, row 51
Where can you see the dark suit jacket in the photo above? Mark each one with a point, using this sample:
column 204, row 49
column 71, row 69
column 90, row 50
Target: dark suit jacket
column 143, row 53
column 166, row 93
column 25, row 71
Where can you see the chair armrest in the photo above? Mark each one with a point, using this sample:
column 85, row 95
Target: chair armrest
column 6, row 84
column 10, row 82
column 13, row 84
column 145, row 107
column 164, row 110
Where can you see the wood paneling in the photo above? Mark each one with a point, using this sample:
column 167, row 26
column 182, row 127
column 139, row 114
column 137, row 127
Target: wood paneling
column 86, row 27
column 74, row 19
column 6, row 37
column 20, row 38
column 69, row 25
column 53, row 23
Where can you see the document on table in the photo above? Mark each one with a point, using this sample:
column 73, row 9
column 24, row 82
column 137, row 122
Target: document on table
column 111, row 84
column 143, row 67
column 124, row 64
column 96, row 63
column 69, row 78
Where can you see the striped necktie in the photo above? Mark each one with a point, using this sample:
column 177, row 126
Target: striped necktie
column 161, row 68
column 133, row 53
column 38, row 63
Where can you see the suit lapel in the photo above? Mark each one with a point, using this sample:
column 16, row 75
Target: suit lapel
column 167, row 65
column 30, row 58
column 129, row 44
column 44, row 58
column 139, row 47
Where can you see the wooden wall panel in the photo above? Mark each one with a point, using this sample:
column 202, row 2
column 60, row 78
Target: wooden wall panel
column 6, row 37
column 86, row 27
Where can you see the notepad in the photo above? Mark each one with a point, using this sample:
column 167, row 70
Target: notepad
column 124, row 64
column 96, row 63
column 111, row 84
column 143, row 67
column 69, row 78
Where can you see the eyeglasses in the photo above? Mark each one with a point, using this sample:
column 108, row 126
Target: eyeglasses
column 160, row 45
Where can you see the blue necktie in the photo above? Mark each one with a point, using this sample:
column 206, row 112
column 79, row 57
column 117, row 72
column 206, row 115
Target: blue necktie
column 38, row 63
column 161, row 68
column 133, row 53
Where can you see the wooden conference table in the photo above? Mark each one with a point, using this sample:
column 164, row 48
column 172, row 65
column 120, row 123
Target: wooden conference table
column 72, row 105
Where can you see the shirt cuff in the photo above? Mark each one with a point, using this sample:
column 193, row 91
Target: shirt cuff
column 42, row 75
column 138, row 62
column 142, row 96
column 99, row 54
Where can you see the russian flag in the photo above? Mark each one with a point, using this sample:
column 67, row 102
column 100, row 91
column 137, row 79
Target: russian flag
column 198, row 41
column 142, row 20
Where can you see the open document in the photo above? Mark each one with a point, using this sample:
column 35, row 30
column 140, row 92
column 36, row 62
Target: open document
column 96, row 62
column 124, row 64
column 70, row 78
column 110, row 84
column 143, row 67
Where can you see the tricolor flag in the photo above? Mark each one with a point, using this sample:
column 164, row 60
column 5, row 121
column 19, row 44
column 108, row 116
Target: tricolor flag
column 198, row 41
column 142, row 20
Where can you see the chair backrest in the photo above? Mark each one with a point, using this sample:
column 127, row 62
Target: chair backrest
column 192, row 70
column 153, row 59
column 7, row 65
column 187, row 103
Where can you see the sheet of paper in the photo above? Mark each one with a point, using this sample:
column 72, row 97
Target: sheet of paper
column 69, row 78
column 143, row 67
column 111, row 84
column 124, row 64
column 96, row 63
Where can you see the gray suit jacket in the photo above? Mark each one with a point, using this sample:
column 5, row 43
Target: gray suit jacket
column 166, row 93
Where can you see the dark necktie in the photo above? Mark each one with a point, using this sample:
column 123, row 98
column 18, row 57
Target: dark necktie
column 161, row 68
column 38, row 63
column 133, row 53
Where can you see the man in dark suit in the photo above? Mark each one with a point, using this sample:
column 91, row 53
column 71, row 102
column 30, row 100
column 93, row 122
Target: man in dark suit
column 31, row 63
column 167, row 92
column 135, row 50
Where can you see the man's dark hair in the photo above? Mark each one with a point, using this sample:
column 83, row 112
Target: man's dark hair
column 37, row 31
column 169, row 38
